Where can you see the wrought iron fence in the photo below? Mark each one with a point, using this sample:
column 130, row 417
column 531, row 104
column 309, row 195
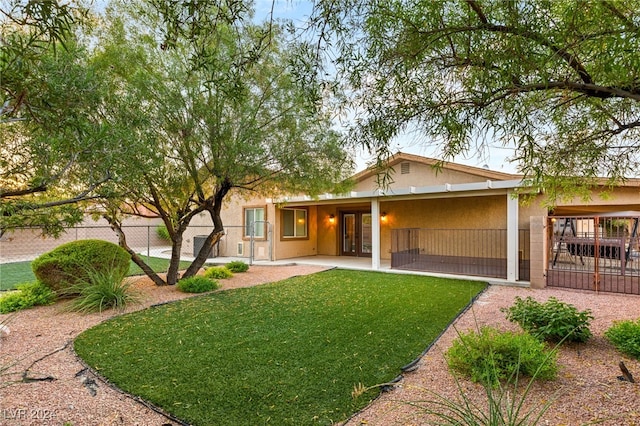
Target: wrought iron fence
column 597, row 253
column 481, row 252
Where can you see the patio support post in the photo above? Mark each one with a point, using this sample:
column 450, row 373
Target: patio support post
column 375, row 234
column 512, row 237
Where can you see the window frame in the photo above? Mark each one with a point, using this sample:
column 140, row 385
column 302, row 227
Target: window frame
column 306, row 224
column 247, row 235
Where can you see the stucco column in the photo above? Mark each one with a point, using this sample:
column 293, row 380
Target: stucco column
column 375, row 234
column 512, row 237
column 539, row 251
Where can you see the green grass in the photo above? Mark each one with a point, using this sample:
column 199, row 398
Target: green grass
column 12, row 274
column 286, row 353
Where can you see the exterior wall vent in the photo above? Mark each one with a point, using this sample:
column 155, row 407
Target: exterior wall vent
column 240, row 251
column 405, row 168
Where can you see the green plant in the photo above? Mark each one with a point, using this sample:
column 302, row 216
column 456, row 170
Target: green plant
column 506, row 405
column 197, row 284
column 237, row 266
column 218, row 272
column 101, row 290
column 491, row 356
column 26, row 296
column 163, row 233
column 553, row 320
column 67, row 265
column 625, row 336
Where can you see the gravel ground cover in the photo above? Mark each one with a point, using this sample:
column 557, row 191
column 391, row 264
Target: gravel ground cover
column 55, row 388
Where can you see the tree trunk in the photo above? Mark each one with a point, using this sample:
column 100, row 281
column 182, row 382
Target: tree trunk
column 208, row 244
column 174, row 264
column 122, row 242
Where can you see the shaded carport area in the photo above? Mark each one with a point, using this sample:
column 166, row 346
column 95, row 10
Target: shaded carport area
column 596, row 252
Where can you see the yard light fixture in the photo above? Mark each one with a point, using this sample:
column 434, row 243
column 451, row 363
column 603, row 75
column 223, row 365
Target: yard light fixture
column 383, row 217
column 332, row 219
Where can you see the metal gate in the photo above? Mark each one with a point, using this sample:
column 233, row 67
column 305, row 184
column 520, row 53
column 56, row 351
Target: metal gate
column 596, row 253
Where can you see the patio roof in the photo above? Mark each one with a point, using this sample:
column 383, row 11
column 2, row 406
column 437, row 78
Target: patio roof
column 488, row 185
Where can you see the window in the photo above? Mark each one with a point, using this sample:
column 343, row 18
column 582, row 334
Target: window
column 294, row 223
column 251, row 215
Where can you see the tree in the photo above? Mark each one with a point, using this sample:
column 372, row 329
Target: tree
column 55, row 145
column 222, row 113
column 558, row 80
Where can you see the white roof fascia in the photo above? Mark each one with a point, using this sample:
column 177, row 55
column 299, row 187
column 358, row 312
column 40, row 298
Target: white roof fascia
column 488, row 185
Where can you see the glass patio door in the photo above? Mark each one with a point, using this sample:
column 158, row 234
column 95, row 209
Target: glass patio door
column 356, row 234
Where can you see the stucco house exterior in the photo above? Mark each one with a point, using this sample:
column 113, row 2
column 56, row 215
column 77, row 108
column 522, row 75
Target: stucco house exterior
column 455, row 219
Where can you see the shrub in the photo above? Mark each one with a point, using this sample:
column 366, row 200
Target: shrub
column 625, row 336
column 101, row 290
column 491, row 356
column 197, row 284
column 163, row 233
column 71, row 263
column 218, row 273
column 237, row 266
column 26, row 296
column 553, row 320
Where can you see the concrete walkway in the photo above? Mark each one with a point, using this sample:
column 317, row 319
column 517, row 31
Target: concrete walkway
column 344, row 262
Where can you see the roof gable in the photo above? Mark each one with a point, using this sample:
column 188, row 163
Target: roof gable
column 415, row 170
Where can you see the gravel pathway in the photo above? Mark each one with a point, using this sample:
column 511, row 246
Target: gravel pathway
column 58, row 390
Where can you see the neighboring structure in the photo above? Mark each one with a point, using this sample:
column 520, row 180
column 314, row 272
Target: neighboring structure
column 455, row 219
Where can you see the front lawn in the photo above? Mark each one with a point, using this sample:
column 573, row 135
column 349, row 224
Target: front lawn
column 289, row 352
column 12, row 274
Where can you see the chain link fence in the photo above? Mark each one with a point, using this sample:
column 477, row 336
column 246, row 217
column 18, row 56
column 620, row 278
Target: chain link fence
column 19, row 247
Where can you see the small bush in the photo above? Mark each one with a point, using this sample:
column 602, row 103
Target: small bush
column 625, row 336
column 101, row 290
column 553, row 321
column 491, row 356
column 197, row 284
column 69, row 264
column 237, row 266
column 218, row 273
column 26, row 296
column 163, row 233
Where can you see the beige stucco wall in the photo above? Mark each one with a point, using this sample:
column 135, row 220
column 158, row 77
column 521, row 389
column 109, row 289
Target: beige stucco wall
column 232, row 215
column 327, row 231
column 419, row 175
column 285, row 248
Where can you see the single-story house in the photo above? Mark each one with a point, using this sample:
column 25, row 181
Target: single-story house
column 454, row 219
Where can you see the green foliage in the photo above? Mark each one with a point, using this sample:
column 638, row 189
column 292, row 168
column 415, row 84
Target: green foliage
column 237, row 266
column 459, row 72
column 100, row 290
column 285, row 353
column 51, row 93
column 197, row 284
column 26, row 296
column 218, row 272
column 225, row 121
column 625, row 336
column 163, row 233
column 553, row 320
column 75, row 262
column 491, row 356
